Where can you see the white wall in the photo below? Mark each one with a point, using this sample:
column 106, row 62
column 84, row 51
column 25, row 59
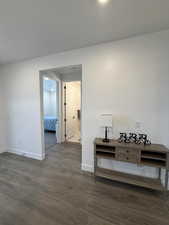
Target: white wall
column 129, row 78
column 2, row 118
column 50, row 104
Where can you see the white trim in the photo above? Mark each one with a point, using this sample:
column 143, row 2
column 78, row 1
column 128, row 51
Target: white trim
column 59, row 110
column 86, row 167
column 26, row 154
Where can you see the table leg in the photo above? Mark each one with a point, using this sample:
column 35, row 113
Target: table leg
column 166, row 179
column 159, row 173
column 95, row 165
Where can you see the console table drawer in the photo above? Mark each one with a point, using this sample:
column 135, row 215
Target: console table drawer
column 127, row 158
column 127, row 150
column 127, row 155
column 133, row 158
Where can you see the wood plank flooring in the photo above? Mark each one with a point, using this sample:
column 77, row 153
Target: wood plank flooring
column 50, row 139
column 56, row 192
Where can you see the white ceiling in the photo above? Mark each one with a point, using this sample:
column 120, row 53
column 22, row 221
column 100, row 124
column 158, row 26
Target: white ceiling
column 31, row 28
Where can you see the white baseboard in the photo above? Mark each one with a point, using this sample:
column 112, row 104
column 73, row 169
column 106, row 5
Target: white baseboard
column 87, row 168
column 26, row 154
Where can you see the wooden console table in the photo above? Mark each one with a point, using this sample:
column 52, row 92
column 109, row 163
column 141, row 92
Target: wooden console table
column 151, row 155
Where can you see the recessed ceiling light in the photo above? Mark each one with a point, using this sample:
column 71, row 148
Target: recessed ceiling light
column 46, row 78
column 103, row 1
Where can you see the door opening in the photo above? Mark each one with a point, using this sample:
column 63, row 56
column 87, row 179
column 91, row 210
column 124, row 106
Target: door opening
column 72, row 111
column 66, row 103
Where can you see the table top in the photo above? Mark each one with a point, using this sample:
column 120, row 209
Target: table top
column 152, row 147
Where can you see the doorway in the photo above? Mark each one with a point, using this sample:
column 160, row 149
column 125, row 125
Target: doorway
column 65, row 89
column 72, row 111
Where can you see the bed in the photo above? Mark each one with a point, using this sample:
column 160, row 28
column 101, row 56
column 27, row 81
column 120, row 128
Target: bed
column 50, row 123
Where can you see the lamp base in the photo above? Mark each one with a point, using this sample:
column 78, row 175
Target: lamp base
column 105, row 140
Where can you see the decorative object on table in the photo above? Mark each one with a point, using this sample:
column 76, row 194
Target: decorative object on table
column 123, row 138
column 134, row 138
column 142, row 139
column 106, row 123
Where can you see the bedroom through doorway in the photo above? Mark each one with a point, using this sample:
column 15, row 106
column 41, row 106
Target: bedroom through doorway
column 50, row 111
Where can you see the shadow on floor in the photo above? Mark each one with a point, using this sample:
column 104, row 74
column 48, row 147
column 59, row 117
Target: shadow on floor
column 50, row 139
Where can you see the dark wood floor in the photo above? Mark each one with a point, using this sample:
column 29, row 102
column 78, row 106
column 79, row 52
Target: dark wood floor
column 56, row 192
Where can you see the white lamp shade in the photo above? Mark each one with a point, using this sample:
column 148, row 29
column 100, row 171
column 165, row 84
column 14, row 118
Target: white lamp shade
column 106, row 120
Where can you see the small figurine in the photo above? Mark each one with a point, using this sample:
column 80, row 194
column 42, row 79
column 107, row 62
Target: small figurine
column 133, row 137
column 143, row 140
column 123, row 138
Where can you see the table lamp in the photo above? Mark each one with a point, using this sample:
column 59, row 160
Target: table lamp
column 106, row 121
